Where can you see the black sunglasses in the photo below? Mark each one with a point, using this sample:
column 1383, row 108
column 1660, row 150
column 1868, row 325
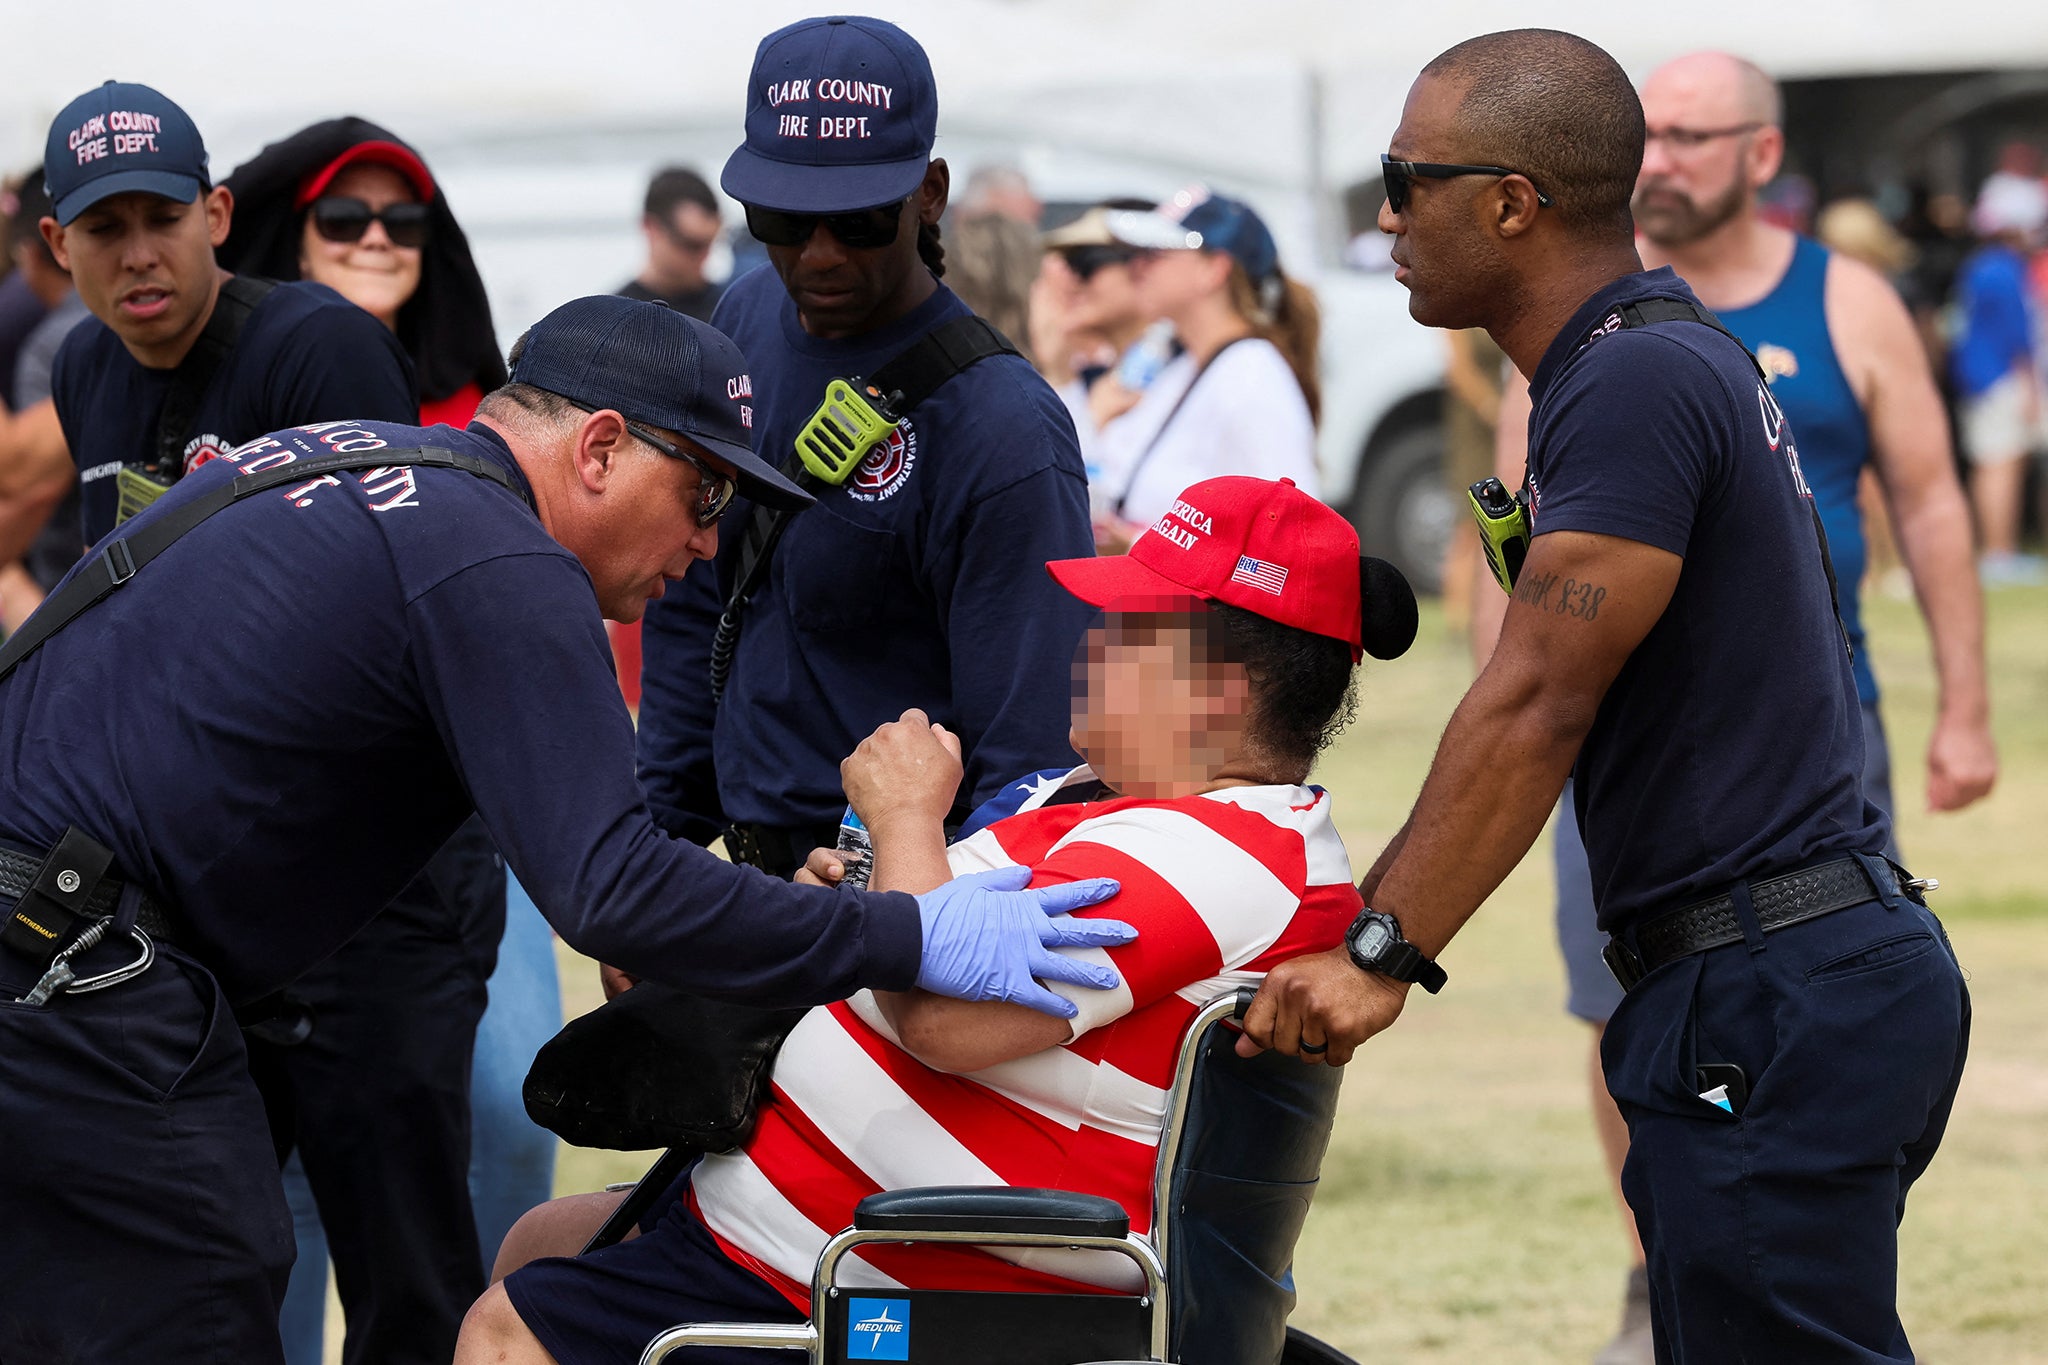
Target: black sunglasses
column 1400, row 175
column 715, row 489
column 861, row 229
column 340, row 218
column 1084, row 261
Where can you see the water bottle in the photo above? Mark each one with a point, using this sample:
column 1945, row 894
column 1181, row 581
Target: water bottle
column 856, row 851
column 1147, row 356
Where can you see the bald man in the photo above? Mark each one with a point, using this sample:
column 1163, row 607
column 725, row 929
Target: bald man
column 1794, row 1025
column 1848, row 369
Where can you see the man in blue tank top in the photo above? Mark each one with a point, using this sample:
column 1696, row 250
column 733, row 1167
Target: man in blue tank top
column 1847, row 368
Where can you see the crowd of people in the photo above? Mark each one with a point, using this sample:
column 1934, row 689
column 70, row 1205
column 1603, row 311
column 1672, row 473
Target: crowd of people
column 322, row 298
column 1103, row 433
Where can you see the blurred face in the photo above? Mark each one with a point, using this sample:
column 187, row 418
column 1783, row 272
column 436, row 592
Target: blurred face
column 144, row 266
column 1151, row 714
column 1443, row 251
column 1103, row 297
column 1166, row 284
column 678, row 248
column 1706, row 156
column 643, row 532
column 372, row 272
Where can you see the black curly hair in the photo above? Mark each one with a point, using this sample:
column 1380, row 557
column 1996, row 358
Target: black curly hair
column 1303, row 691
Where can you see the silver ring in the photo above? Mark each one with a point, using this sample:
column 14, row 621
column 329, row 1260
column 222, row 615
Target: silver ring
column 1315, row 1049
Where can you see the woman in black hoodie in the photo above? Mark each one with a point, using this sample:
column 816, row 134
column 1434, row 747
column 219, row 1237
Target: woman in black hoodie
column 347, row 204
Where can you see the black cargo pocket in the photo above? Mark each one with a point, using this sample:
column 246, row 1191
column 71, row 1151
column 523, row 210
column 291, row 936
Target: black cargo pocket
column 1651, row 1049
column 837, row 576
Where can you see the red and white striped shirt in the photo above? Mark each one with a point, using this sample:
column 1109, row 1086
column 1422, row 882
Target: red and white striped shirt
column 1219, row 886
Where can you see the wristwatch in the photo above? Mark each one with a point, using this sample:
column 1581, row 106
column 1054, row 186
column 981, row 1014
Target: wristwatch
column 1375, row 944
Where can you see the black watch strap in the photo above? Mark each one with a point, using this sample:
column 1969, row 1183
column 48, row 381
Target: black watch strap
column 1405, row 962
column 1397, row 957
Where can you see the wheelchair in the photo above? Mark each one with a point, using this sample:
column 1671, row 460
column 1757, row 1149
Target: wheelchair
column 1239, row 1157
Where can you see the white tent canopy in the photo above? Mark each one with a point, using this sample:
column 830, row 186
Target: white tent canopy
column 1220, row 83
column 543, row 120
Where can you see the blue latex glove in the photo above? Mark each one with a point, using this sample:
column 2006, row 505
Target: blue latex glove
column 986, row 938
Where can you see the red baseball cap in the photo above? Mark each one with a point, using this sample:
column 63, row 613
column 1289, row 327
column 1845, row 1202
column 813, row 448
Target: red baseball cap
column 377, row 152
column 1252, row 543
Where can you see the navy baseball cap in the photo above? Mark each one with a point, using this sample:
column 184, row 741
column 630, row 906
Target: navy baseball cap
column 121, row 138
column 1196, row 220
column 841, row 115
column 660, row 368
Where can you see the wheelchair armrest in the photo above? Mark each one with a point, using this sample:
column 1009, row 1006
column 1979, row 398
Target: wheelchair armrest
column 992, row 1209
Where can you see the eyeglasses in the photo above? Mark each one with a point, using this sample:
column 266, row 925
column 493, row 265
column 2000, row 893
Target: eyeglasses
column 1686, row 139
column 340, row 218
column 715, row 489
column 860, row 229
column 1401, row 175
column 1084, row 261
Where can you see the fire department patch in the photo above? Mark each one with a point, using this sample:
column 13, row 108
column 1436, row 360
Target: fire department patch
column 887, row 467
column 203, row 450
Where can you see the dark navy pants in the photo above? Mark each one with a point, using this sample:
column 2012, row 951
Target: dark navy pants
column 376, row 1101
column 1772, row 1234
column 140, row 1212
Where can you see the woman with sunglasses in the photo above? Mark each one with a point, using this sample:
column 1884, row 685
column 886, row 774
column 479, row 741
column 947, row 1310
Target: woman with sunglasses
column 1241, row 398
column 347, row 204
column 1086, row 323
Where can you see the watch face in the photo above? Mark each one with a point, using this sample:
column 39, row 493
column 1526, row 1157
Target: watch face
column 1372, row 939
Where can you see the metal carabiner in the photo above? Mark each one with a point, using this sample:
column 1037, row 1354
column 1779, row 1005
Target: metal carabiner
column 114, row 978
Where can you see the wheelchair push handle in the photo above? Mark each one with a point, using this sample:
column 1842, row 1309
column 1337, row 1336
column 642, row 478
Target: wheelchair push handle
column 1243, row 1004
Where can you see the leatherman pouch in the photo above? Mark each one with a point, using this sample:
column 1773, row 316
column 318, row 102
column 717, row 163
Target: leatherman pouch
column 658, row 1067
column 39, row 923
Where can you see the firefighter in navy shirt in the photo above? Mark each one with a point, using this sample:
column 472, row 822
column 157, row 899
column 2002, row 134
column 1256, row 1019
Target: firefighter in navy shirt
column 1794, row 1029
column 906, row 585
column 343, row 669
column 180, row 363
column 136, row 221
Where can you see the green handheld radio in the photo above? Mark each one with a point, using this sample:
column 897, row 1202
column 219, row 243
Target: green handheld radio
column 847, row 425
column 1504, row 530
column 136, row 489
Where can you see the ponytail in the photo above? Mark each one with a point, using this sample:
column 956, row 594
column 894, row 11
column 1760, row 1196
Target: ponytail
column 1284, row 312
column 930, row 250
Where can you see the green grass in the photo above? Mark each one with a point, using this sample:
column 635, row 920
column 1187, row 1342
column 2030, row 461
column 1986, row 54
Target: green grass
column 1464, row 1215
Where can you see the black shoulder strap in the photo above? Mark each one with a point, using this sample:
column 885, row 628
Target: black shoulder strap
column 1642, row 313
column 122, row 556
column 238, row 298
column 905, row 380
column 923, row 367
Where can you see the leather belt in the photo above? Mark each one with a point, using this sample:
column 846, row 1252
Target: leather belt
column 18, row 870
column 1778, row 902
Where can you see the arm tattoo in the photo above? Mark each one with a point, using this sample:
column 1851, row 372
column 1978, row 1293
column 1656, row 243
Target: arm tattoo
column 1561, row 596
column 1534, row 589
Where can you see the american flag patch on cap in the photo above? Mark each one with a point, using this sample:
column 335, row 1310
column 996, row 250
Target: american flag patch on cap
column 1260, row 574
